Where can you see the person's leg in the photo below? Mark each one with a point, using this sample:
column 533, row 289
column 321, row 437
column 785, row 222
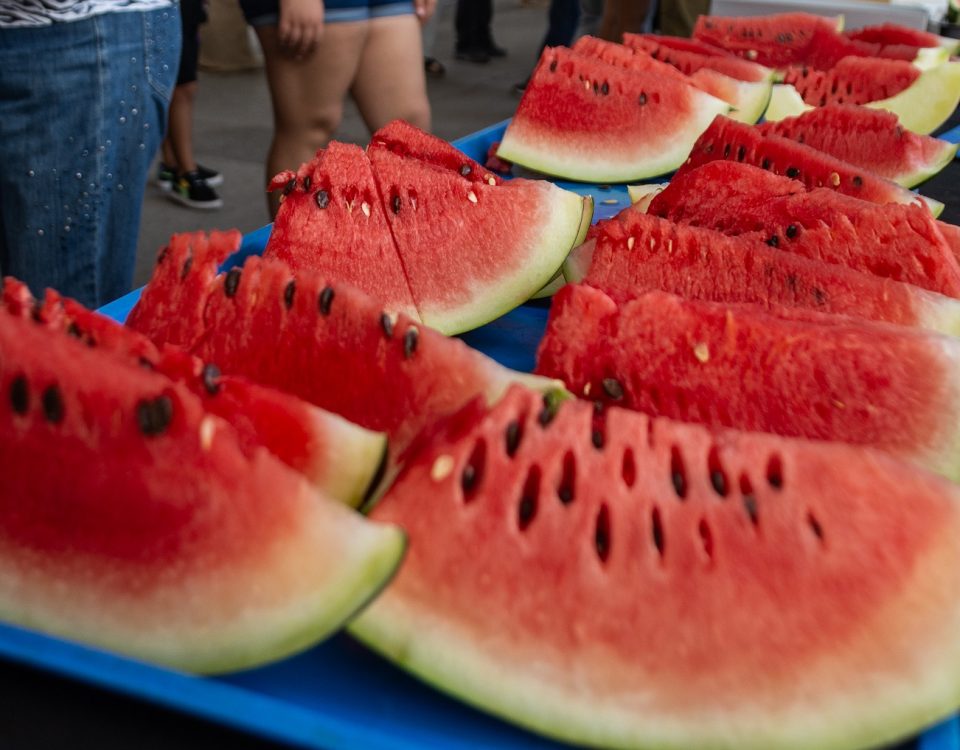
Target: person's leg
column 678, row 17
column 621, row 16
column 472, row 22
column 307, row 94
column 81, row 116
column 178, row 145
column 390, row 83
column 591, row 12
column 564, row 16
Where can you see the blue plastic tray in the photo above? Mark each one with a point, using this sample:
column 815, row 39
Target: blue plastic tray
column 338, row 695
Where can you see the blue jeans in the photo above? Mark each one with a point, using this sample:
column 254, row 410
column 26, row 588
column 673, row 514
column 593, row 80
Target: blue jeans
column 82, row 112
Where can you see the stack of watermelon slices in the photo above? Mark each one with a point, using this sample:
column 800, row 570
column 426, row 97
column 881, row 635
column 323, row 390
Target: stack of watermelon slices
column 423, row 229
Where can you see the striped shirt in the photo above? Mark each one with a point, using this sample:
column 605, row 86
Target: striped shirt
column 44, row 12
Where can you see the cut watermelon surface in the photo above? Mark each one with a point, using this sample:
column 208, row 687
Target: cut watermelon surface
column 868, row 138
column 584, row 119
column 329, row 344
column 726, row 139
column 791, row 373
column 852, row 81
column 901, row 242
column 891, row 33
column 775, row 40
column 682, row 55
column 242, row 564
column 474, row 251
column 673, row 588
column 637, row 252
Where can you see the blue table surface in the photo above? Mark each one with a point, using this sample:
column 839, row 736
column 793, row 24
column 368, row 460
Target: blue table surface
column 338, row 694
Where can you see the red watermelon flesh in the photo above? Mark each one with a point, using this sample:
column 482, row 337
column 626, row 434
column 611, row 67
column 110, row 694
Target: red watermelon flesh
column 775, row 40
column 892, row 33
column 728, row 139
column 328, row 344
column 951, row 234
column 340, row 458
column 637, row 252
column 683, row 44
column 690, row 61
column 894, row 241
column 723, row 365
column 584, row 119
column 404, row 139
column 332, row 221
column 868, row 138
column 674, row 588
column 132, row 519
column 473, row 251
column 852, row 81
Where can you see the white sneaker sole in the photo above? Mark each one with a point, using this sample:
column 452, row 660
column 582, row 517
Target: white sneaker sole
column 201, row 205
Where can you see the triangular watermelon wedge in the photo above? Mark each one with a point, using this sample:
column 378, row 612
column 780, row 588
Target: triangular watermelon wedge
column 473, row 251
column 587, row 120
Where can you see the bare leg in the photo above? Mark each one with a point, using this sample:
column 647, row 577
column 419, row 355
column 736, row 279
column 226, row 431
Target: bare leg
column 390, row 81
column 307, row 94
column 178, row 145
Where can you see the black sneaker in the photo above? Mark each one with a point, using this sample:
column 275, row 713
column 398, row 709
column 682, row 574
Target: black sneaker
column 192, row 190
column 495, row 50
column 166, row 175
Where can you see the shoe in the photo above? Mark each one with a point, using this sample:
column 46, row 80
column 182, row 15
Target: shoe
column 434, row 67
column 520, row 88
column 193, row 191
column 167, row 174
column 478, row 56
column 494, row 50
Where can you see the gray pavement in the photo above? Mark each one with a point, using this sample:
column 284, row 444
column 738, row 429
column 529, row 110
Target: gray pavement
column 232, row 125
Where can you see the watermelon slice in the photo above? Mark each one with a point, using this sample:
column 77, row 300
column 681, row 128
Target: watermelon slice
column 775, row 41
column 794, row 595
column 474, row 251
column 636, row 252
column 726, row 139
column 892, row 33
column 749, row 100
column 584, row 119
column 340, row 458
column 868, row 138
column 133, row 519
column 726, row 365
column 894, row 241
column 682, row 55
column 331, row 220
column 330, row 344
column 921, row 102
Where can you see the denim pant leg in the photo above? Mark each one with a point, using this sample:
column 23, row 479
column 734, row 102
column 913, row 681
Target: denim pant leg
column 82, row 111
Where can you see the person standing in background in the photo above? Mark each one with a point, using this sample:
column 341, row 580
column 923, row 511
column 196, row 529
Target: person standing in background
column 178, row 174
column 317, row 52
column 431, row 64
column 84, row 91
column 677, row 17
column 474, row 35
column 563, row 16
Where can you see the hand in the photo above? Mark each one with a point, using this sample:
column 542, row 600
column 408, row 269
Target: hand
column 301, row 26
column 424, row 9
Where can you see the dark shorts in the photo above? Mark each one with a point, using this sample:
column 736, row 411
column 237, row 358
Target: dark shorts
column 267, row 12
column 192, row 15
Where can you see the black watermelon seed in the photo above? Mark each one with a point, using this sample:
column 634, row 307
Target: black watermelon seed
column 596, row 437
column 155, row 415
column 719, row 482
column 546, row 415
column 773, row 241
column 210, row 375
column 612, row 388
column 20, row 394
column 601, row 534
column 289, row 187
column 326, row 299
column 386, row 323
column 528, row 507
column 232, row 281
column 792, row 231
column 679, row 483
column 36, row 311
column 857, row 181
column 395, row 203
column 596, row 88
column 410, row 340
column 74, row 330
column 465, row 171
column 792, row 172
column 750, row 505
column 642, row 99
column 469, row 478
column 513, row 437
column 288, row 292
column 52, row 404
column 765, row 164
column 819, row 295
column 726, row 150
column 741, row 153
column 553, row 66
column 605, row 88
column 162, row 255
column 322, row 198
column 146, row 364
column 307, row 182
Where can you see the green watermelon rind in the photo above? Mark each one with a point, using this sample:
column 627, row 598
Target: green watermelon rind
column 578, row 160
column 759, row 101
column 928, row 102
column 914, row 178
column 556, row 283
column 785, row 101
column 489, row 301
